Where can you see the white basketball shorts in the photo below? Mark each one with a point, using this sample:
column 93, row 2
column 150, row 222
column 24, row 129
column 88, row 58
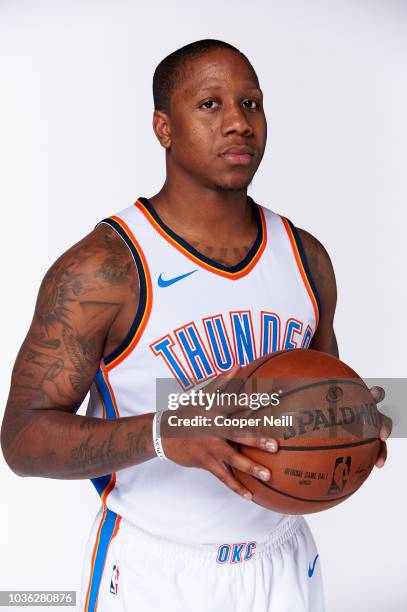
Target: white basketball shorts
column 129, row 570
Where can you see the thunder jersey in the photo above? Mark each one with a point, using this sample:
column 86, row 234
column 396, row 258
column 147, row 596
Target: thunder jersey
column 197, row 318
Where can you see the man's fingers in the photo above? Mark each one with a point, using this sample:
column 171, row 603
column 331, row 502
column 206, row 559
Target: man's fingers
column 385, row 427
column 220, row 470
column 232, row 372
column 382, row 456
column 268, row 444
column 386, row 424
column 378, row 393
column 220, row 382
column 244, row 464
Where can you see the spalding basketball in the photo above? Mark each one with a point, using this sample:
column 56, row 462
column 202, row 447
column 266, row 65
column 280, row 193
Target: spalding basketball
column 327, row 426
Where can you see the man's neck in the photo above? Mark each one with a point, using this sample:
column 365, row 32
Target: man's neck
column 204, row 213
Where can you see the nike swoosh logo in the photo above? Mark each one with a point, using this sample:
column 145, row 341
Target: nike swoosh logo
column 312, row 567
column 171, row 281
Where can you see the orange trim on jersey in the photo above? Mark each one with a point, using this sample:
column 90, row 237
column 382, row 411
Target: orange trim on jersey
column 200, row 262
column 148, row 302
column 301, row 269
column 109, row 487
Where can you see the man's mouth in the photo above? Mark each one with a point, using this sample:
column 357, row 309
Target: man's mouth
column 240, row 155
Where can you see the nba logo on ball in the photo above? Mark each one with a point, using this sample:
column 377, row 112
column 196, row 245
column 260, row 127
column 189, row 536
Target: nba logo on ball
column 340, row 475
column 114, row 581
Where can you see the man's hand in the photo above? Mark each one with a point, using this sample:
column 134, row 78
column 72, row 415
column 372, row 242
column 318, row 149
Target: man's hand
column 385, row 428
column 211, row 452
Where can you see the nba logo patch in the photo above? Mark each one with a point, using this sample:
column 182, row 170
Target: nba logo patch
column 114, row 581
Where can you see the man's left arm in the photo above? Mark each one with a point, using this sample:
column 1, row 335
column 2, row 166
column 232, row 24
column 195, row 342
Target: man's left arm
column 322, row 274
column 324, row 339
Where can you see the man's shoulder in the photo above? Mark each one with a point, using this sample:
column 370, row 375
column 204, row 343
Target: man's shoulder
column 320, row 267
column 103, row 243
column 312, row 246
column 100, row 259
column 315, row 251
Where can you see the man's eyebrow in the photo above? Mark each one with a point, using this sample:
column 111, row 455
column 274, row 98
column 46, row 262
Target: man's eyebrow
column 217, row 87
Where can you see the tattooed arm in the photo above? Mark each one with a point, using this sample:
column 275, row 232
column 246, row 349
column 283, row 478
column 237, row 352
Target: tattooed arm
column 324, row 279
column 84, row 309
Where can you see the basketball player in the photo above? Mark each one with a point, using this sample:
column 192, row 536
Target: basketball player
column 186, row 284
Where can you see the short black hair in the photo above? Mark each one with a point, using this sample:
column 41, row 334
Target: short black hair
column 170, row 70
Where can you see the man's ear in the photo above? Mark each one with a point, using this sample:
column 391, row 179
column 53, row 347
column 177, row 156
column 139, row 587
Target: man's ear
column 162, row 128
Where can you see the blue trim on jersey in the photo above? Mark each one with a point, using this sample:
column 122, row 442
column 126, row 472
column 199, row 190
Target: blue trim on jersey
column 188, row 247
column 100, row 482
column 104, row 541
column 143, row 291
column 105, row 393
column 305, row 263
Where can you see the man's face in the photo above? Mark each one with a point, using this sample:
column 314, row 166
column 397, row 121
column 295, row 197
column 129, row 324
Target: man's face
column 218, row 129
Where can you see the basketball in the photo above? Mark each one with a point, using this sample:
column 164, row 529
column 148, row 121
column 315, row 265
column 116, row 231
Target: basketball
column 327, row 426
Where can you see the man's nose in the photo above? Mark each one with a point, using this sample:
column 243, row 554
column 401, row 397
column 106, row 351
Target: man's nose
column 235, row 120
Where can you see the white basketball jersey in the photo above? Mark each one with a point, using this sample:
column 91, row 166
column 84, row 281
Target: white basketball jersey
column 196, row 319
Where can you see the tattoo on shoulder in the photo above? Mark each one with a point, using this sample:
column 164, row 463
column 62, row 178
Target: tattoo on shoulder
column 118, row 267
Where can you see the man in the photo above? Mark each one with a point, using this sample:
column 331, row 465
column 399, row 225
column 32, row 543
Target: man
column 180, row 284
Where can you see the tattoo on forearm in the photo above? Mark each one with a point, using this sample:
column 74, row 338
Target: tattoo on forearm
column 107, row 452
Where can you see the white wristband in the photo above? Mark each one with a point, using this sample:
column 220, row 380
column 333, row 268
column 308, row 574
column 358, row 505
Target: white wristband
column 158, row 447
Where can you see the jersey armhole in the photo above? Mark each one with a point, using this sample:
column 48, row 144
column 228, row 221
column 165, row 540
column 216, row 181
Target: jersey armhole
column 304, row 269
column 145, row 299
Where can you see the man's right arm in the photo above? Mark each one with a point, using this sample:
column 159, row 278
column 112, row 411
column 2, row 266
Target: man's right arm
column 79, row 301
column 84, row 310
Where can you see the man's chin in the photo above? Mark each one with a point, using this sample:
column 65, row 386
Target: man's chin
column 233, row 184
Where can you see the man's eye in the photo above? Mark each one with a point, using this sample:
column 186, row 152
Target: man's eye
column 252, row 104
column 208, row 104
